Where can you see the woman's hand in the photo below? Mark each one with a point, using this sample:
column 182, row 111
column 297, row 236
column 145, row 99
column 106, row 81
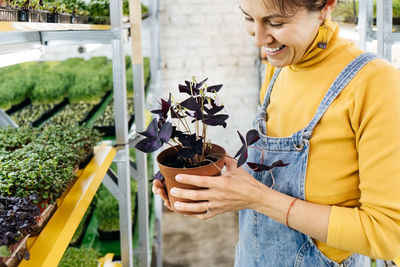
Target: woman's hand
column 234, row 190
column 160, row 189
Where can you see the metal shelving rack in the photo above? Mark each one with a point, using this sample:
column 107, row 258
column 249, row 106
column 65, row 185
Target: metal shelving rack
column 15, row 36
column 384, row 35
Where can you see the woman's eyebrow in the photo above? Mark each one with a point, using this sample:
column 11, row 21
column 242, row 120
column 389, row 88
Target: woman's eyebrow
column 273, row 16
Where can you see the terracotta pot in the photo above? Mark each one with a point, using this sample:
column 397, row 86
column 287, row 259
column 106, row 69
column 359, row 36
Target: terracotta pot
column 169, row 173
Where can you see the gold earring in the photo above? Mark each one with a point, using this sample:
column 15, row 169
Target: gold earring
column 323, row 33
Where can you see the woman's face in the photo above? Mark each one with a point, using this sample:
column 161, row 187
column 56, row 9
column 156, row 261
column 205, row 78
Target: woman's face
column 283, row 39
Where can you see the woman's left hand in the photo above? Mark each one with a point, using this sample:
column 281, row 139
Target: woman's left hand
column 233, row 190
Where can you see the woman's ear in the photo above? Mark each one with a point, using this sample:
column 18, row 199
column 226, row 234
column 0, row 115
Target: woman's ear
column 327, row 10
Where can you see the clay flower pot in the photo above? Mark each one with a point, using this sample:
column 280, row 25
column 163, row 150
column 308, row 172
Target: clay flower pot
column 169, row 173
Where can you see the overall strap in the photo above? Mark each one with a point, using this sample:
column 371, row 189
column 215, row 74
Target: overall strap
column 263, row 110
column 337, row 86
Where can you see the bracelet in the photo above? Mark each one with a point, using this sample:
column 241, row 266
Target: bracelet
column 288, row 211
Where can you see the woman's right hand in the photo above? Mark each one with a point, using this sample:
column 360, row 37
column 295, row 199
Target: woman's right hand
column 160, row 189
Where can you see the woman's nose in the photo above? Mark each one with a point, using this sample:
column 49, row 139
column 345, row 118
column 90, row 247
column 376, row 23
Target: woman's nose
column 261, row 35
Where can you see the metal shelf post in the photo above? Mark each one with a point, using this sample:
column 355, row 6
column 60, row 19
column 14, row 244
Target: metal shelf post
column 384, row 25
column 121, row 129
column 365, row 12
column 135, row 18
column 155, row 66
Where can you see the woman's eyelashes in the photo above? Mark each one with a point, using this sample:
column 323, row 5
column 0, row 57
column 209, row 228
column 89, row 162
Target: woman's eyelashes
column 275, row 25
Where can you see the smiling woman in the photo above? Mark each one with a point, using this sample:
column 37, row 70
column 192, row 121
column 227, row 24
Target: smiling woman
column 332, row 112
column 285, row 31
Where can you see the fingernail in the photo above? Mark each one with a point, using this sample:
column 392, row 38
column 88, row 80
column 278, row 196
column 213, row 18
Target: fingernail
column 178, row 178
column 178, row 205
column 174, row 191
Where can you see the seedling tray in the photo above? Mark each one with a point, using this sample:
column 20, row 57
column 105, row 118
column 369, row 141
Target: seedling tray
column 93, row 111
column 17, row 253
column 18, row 107
column 47, row 115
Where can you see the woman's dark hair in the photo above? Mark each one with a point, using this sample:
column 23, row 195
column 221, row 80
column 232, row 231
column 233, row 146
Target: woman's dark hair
column 288, row 7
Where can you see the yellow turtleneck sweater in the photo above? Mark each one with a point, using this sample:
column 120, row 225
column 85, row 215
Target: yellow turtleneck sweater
column 354, row 160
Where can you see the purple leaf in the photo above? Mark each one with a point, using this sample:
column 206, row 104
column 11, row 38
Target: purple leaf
column 214, row 88
column 197, row 86
column 242, row 159
column 165, row 106
column 261, row 167
column 187, row 140
column 214, row 108
column 198, row 147
column 243, row 145
column 215, row 120
column 151, row 130
column 186, row 153
column 149, row 144
column 165, row 132
column 175, row 132
column 158, row 176
column 252, row 136
column 191, row 88
column 191, row 104
column 27, row 255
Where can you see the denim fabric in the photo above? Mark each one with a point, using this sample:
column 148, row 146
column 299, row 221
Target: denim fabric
column 263, row 241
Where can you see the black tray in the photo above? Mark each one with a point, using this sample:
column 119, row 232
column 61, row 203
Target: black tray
column 19, row 106
column 45, row 116
column 109, row 131
column 95, row 108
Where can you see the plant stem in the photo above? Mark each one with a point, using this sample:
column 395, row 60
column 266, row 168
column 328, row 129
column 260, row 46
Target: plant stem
column 180, row 119
column 212, row 162
column 173, row 146
column 204, row 141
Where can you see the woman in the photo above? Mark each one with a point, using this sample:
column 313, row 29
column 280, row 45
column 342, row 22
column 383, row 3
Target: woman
column 333, row 113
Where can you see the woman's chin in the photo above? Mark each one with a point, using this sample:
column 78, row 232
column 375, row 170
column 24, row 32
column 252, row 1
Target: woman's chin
column 278, row 63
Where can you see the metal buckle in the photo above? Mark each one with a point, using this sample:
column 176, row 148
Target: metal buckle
column 299, row 147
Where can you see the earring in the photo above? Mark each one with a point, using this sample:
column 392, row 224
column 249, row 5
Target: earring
column 323, row 33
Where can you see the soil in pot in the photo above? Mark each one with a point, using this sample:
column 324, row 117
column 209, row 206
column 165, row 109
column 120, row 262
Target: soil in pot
column 170, row 167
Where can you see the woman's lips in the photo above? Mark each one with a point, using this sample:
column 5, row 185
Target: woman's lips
column 273, row 52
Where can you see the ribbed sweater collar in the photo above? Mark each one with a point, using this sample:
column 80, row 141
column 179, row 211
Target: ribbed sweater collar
column 315, row 55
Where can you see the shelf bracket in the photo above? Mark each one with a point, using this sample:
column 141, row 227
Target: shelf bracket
column 6, row 121
column 111, row 182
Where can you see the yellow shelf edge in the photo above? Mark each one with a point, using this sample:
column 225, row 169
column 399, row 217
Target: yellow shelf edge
column 48, row 247
column 6, row 26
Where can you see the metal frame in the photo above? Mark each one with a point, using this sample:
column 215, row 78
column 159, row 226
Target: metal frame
column 118, row 185
column 384, row 35
column 155, row 84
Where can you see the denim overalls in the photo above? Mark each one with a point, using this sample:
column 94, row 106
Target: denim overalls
column 263, row 241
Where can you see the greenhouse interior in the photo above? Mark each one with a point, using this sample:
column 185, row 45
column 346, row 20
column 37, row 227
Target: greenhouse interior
column 89, row 96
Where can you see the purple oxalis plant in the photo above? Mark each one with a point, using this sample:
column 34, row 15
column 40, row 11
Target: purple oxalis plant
column 202, row 108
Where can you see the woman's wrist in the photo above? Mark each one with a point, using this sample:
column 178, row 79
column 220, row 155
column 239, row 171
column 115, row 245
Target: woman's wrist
column 272, row 203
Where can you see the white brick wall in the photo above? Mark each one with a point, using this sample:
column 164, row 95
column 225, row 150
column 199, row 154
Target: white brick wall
column 206, row 38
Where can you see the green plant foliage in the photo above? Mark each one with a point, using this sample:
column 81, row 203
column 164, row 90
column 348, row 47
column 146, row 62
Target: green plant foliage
column 79, row 257
column 4, row 252
column 30, row 113
column 107, row 211
column 107, row 118
column 13, row 88
column 72, row 114
column 42, row 162
column 91, row 85
column 9, row 69
column 52, row 85
column 344, row 10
